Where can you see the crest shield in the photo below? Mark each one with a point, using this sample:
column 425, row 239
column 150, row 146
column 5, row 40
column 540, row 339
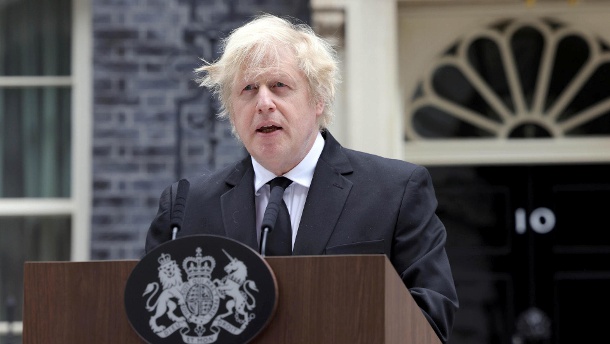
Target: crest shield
column 201, row 289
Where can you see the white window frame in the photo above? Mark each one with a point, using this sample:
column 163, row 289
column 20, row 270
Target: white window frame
column 78, row 205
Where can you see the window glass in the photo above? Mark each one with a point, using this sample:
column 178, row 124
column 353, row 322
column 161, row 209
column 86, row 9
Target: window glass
column 35, row 37
column 44, row 238
column 35, row 142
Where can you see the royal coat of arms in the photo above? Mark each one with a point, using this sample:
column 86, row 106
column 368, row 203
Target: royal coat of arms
column 201, row 307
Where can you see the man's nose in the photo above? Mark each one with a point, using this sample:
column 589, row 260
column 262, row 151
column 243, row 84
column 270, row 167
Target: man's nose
column 265, row 103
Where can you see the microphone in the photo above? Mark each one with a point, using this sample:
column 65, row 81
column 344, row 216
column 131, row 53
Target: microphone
column 178, row 209
column 270, row 217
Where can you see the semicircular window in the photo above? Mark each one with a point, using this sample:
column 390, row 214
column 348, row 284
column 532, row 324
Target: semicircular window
column 515, row 79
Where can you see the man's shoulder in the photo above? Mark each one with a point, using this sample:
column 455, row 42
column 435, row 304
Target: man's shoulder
column 346, row 159
column 372, row 161
column 221, row 175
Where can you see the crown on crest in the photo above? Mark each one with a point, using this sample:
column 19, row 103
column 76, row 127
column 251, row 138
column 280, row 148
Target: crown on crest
column 199, row 266
column 164, row 259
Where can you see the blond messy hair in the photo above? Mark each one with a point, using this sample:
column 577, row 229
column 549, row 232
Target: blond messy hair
column 257, row 45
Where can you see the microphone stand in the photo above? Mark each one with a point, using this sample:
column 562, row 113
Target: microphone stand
column 270, row 216
column 178, row 210
column 263, row 244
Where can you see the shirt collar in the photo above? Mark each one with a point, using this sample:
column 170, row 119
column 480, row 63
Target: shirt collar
column 301, row 174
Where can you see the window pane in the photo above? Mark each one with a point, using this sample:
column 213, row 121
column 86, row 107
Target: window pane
column 35, row 142
column 560, row 90
column 13, row 339
column 28, row 239
column 35, row 37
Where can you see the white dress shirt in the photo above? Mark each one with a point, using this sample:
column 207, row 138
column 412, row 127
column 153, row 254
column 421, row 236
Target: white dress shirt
column 295, row 194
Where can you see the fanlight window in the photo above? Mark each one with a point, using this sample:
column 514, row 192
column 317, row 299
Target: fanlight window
column 516, row 79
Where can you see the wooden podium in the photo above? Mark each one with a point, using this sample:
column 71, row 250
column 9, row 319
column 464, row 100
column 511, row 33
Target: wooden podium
column 322, row 299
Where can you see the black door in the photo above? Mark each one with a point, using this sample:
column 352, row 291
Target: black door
column 530, row 251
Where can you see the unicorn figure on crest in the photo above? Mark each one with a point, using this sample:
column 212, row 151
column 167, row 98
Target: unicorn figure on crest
column 236, row 286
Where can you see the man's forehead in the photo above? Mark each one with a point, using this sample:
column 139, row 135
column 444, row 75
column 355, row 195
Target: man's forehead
column 269, row 64
column 264, row 73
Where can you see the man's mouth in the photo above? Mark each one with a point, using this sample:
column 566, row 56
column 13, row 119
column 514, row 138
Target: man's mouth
column 268, row 129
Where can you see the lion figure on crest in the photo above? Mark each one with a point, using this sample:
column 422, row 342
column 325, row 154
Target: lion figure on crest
column 171, row 280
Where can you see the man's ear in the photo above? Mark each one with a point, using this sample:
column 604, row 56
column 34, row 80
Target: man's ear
column 319, row 108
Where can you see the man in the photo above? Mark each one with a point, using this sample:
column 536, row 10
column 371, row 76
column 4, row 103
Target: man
column 276, row 84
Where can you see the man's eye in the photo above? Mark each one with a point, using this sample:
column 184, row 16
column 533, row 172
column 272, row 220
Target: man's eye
column 279, row 84
column 249, row 88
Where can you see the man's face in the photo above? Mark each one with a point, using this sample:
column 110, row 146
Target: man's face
column 274, row 115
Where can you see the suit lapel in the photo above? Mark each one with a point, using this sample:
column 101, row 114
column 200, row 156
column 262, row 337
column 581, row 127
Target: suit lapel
column 325, row 200
column 238, row 209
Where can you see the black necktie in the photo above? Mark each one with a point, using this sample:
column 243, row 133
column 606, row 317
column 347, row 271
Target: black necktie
column 279, row 242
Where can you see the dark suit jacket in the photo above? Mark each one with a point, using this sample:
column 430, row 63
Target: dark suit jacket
column 358, row 203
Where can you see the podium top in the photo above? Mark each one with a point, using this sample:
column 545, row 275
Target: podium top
column 322, row 299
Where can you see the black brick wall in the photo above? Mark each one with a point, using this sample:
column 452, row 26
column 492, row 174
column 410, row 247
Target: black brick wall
column 152, row 124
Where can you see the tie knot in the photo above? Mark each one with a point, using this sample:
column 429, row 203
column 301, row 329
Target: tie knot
column 283, row 182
